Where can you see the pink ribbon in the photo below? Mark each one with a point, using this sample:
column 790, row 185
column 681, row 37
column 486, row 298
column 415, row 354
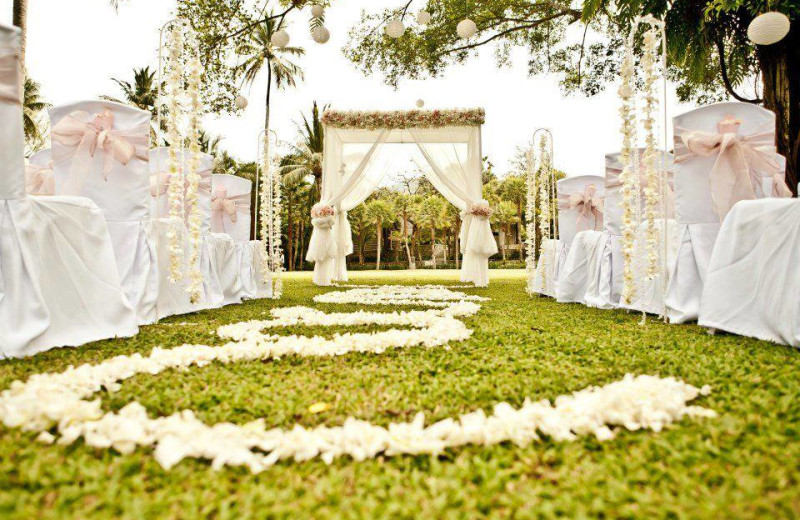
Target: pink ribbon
column 587, row 204
column 84, row 135
column 613, row 181
column 9, row 78
column 159, row 183
column 222, row 204
column 39, row 180
column 741, row 162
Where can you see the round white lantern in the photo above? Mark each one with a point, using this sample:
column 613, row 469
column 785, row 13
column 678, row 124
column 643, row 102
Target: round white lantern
column 241, row 102
column 395, row 28
column 320, row 34
column 317, row 11
column 768, row 28
column 420, row 103
column 466, row 29
column 423, row 17
column 280, row 39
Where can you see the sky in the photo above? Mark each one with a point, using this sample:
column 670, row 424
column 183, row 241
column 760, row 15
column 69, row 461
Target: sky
column 75, row 47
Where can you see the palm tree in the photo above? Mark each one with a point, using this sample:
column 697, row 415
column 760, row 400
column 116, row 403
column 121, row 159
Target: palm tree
column 504, row 216
column 433, row 215
column 19, row 17
column 514, row 190
column 32, row 105
column 141, row 93
column 360, row 225
column 209, row 143
column 260, row 53
column 307, row 155
column 380, row 213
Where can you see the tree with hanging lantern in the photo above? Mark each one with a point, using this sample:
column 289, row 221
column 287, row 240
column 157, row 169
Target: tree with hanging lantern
column 748, row 50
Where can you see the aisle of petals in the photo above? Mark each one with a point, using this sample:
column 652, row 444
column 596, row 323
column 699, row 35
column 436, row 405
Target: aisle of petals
column 60, row 406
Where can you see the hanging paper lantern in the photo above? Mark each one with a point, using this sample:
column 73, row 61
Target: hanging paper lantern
column 280, row 39
column 395, row 28
column 423, row 17
column 768, row 28
column 320, row 34
column 466, row 29
column 420, row 103
column 241, row 102
column 317, row 11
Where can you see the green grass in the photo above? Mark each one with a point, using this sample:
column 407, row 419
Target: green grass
column 743, row 464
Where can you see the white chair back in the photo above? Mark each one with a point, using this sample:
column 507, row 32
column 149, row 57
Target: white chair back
column 612, row 215
column 99, row 151
column 39, row 176
column 570, row 221
column 230, row 206
column 693, row 199
column 12, row 138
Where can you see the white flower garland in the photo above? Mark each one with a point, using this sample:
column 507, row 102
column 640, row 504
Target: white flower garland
column 545, row 203
column 61, row 401
column 175, row 191
column 631, row 204
column 531, row 224
column 271, row 225
column 195, row 287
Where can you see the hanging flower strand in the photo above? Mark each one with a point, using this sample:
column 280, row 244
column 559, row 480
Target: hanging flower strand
column 545, row 204
column 195, row 288
column 276, row 250
column 530, row 214
column 175, row 190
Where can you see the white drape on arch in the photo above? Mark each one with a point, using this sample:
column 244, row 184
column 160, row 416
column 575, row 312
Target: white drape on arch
column 355, row 161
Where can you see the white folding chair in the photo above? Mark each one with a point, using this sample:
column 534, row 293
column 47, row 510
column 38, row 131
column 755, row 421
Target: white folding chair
column 100, row 152
column 59, row 284
column 707, row 185
column 230, row 214
column 580, row 217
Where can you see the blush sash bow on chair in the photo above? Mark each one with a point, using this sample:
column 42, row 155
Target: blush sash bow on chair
column 159, row 182
column 225, row 208
column 613, row 182
column 9, row 77
column 85, row 135
column 39, row 180
column 587, row 204
column 741, row 162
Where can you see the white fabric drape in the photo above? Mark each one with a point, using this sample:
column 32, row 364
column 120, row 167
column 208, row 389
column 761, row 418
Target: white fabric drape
column 354, row 163
column 455, row 170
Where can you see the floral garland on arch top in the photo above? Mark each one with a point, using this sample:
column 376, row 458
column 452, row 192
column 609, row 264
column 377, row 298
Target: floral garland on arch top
column 403, row 119
column 633, row 212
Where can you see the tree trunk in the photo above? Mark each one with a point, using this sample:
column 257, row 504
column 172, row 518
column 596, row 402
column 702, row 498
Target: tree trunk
column 458, row 235
column 301, row 256
column 505, row 242
column 378, row 260
column 20, row 19
column 780, row 70
column 361, row 249
column 433, row 246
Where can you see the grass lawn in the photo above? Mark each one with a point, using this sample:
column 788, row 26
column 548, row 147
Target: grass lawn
column 743, row 464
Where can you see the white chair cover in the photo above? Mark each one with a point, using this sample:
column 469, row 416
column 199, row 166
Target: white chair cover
column 699, row 210
column 118, row 185
column 230, row 214
column 606, row 278
column 39, row 178
column 753, row 285
column 59, row 285
column 580, row 216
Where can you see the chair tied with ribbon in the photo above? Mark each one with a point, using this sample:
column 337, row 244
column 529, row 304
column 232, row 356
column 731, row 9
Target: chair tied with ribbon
column 741, row 162
column 39, row 180
column 588, row 205
column 225, row 208
column 159, row 182
column 614, row 182
column 10, row 91
column 85, row 135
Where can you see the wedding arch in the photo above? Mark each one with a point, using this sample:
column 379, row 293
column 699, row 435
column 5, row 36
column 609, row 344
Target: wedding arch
column 355, row 156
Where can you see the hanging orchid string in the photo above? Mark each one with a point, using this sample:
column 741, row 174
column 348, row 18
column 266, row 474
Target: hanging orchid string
column 175, row 190
column 546, row 214
column 195, row 288
column 530, row 214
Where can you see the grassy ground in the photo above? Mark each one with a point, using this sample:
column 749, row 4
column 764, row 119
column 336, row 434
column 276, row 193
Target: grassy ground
column 744, row 464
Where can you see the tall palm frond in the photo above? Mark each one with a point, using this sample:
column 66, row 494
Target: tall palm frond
column 259, row 52
column 32, row 106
